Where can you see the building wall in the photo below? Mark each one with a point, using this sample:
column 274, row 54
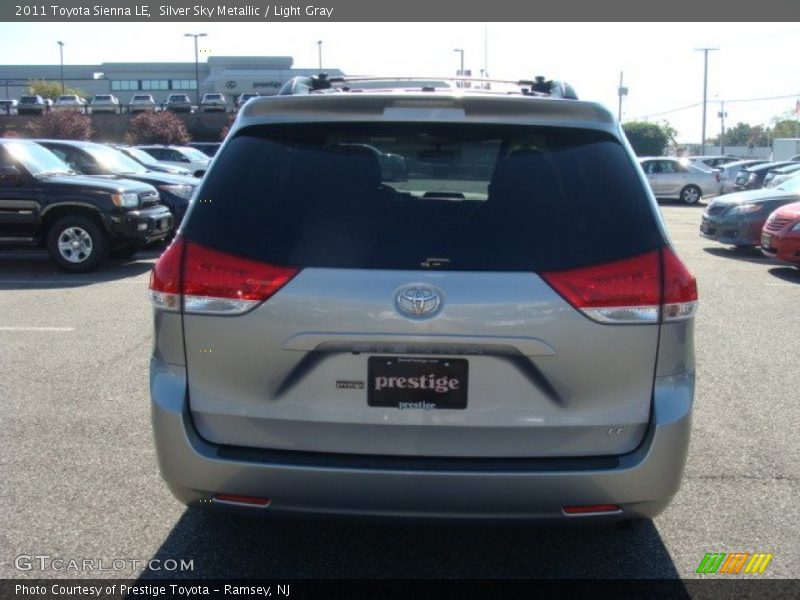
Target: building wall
column 229, row 75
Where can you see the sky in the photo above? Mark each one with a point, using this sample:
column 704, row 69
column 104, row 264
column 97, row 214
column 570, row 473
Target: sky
column 661, row 66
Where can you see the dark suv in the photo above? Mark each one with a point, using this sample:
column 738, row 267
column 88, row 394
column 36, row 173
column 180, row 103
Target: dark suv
column 504, row 332
column 80, row 220
column 91, row 158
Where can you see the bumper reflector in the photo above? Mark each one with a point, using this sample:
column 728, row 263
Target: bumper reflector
column 591, row 509
column 242, row 500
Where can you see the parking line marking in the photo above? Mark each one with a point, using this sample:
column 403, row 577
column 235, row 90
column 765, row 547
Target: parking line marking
column 37, row 329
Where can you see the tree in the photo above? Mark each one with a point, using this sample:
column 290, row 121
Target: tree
column 157, row 128
column 224, row 131
column 785, row 128
column 52, row 89
column 66, row 125
column 649, row 139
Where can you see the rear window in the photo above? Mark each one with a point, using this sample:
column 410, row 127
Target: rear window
column 415, row 196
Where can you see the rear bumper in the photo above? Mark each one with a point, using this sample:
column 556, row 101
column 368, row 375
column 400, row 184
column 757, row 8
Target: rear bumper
column 641, row 482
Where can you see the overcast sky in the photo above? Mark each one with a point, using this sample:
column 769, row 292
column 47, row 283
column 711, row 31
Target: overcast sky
column 662, row 69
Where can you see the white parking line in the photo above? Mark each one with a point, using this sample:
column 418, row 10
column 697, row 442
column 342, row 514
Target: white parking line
column 37, row 329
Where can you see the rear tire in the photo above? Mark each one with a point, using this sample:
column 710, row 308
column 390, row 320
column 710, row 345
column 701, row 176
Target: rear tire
column 691, row 194
column 77, row 244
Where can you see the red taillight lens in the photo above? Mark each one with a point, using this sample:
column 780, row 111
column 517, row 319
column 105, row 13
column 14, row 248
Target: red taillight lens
column 630, row 290
column 625, row 291
column 213, row 282
column 165, row 278
column 680, row 288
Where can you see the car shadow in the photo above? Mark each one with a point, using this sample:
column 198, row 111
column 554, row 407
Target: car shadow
column 34, row 269
column 226, row 545
column 743, row 254
column 788, row 274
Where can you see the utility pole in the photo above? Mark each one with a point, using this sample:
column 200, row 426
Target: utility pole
column 622, row 91
column 705, row 52
column 319, row 51
column 196, row 64
column 461, row 71
column 722, row 114
column 61, row 52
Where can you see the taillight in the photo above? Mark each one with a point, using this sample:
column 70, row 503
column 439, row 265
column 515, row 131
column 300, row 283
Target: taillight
column 211, row 282
column 642, row 289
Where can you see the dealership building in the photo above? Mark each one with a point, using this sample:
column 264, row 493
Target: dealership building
column 229, row 75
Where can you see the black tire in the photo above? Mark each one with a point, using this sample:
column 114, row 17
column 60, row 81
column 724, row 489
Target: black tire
column 125, row 251
column 691, row 194
column 92, row 248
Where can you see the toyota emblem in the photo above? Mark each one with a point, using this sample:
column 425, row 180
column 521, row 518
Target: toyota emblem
column 418, row 300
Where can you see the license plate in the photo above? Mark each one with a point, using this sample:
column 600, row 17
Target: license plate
column 417, row 383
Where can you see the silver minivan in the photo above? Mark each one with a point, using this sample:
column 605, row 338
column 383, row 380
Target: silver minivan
column 504, row 332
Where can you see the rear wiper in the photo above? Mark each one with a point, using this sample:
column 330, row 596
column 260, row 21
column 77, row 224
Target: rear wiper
column 434, row 263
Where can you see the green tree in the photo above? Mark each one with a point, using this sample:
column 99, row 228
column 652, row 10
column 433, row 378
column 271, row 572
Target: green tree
column 649, row 139
column 51, row 89
column 785, row 128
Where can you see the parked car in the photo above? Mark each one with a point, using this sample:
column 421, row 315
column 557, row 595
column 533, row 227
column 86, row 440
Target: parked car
column 242, row 98
column 181, row 156
column 91, row 158
column 178, row 103
column 32, row 105
column 775, row 177
column 80, row 220
column 752, row 178
column 780, row 237
column 711, row 162
column 207, row 148
column 330, row 342
column 737, row 219
column 150, row 163
column 70, row 102
column 104, row 103
column 729, row 171
column 214, row 103
column 142, row 103
column 8, row 107
column 675, row 179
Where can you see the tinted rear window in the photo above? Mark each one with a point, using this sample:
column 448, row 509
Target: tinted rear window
column 395, row 196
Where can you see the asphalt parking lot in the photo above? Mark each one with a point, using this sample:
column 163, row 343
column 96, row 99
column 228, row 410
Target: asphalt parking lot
column 80, row 478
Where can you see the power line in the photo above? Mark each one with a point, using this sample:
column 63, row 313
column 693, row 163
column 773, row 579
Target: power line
column 688, row 106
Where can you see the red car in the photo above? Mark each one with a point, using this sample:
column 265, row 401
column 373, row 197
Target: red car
column 780, row 237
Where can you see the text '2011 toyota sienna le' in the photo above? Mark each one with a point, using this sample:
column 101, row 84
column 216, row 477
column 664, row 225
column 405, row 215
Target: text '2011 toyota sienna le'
column 503, row 332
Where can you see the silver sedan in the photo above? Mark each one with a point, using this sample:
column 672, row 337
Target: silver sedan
column 673, row 178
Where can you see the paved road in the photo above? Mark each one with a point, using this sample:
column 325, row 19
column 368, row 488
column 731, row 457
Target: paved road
column 79, row 477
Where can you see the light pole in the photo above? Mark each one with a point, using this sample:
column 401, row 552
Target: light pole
column 319, row 53
column 722, row 114
column 196, row 64
column 622, row 91
column 705, row 52
column 61, row 52
column 461, row 71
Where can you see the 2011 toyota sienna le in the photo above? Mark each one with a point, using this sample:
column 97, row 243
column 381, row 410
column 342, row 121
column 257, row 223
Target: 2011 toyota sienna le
column 505, row 332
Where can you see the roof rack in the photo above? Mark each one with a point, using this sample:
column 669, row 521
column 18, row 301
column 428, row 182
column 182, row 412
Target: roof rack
column 538, row 86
